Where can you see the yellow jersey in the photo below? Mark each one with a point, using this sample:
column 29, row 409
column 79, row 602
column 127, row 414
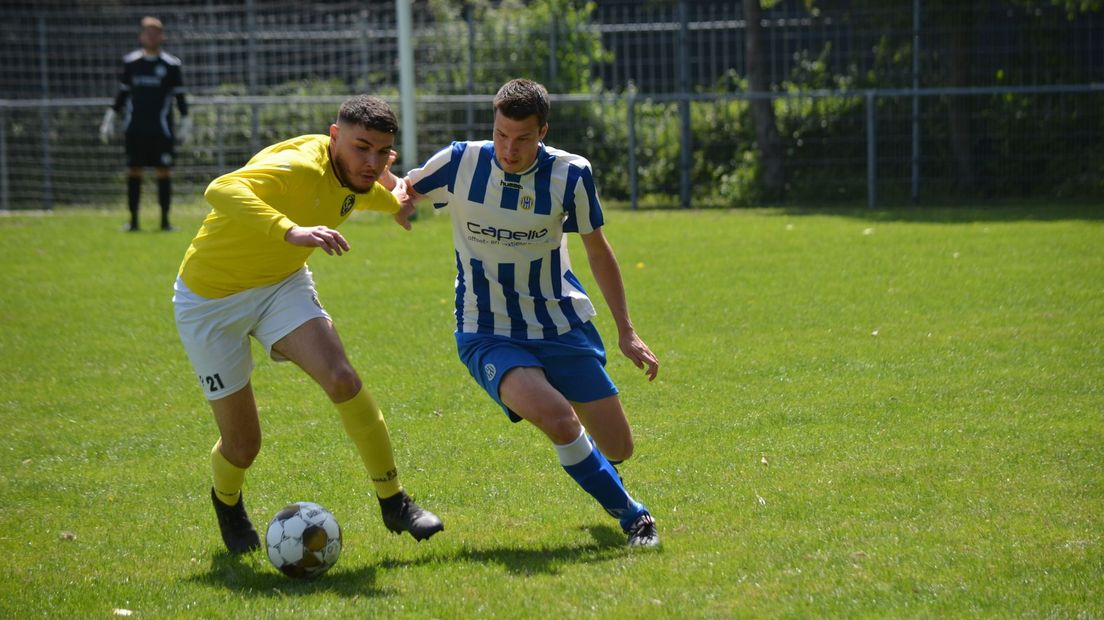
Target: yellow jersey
column 241, row 242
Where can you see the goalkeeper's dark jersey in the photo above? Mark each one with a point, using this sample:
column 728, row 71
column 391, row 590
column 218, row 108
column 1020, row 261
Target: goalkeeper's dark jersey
column 146, row 91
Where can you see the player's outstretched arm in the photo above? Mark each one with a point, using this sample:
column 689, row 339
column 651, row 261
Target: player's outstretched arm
column 603, row 264
column 323, row 237
column 404, row 191
column 387, row 178
column 406, row 204
column 413, row 195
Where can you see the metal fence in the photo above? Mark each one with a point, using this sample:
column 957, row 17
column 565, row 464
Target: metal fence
column 856, row 128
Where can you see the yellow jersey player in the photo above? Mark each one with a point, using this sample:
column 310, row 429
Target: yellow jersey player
column 245, row 274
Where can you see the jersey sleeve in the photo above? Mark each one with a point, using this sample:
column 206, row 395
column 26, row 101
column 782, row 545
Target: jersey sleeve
column 176, row 84
column 436, row 179
column 124, row 89
column 240, row 195
column 581, row 204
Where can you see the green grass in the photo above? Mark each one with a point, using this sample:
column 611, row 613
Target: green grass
column 859, row 414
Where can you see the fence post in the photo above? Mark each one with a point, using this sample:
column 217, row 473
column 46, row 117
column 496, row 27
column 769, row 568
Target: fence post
column 409, row 114
column 915, row 101
column 221, row 141
column 553, row 68
column 871, row 152
column 633, row 180
column 44, row 113
column 685, row 139
column 251, row 54
column 469, row 107
column 365, row 52
column 5, row 193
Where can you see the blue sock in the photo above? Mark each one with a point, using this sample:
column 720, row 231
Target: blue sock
column 590, row 469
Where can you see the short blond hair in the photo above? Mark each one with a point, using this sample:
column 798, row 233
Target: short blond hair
column 152, row 22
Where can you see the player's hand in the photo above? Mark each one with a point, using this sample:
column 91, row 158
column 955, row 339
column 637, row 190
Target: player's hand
column 406, row 205
column 323, row 237
column 409, row 187
column 107, row 126
column 405, row 214
column 387, row 178
column 639, row 353
column 184, row 131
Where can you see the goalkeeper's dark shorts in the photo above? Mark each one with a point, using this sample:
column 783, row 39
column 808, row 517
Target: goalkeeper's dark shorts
column 143, row 151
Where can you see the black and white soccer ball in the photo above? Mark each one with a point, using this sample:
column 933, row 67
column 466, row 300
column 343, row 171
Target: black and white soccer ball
column 303, row 540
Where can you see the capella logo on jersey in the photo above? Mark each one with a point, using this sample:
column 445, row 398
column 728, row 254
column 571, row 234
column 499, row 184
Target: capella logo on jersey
column 505, row 234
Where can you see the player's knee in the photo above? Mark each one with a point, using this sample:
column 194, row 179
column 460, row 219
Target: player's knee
column 618, row 450
column 241, row 451
column 342, row 383
column 561, row 429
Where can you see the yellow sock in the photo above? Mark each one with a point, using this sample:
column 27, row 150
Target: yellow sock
column 228, row 478
column 364, row 424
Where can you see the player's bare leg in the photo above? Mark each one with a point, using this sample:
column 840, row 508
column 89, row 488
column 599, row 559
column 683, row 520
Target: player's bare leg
column 527, row 392
column 238, row 445
column 605, row 420
column 316, row 348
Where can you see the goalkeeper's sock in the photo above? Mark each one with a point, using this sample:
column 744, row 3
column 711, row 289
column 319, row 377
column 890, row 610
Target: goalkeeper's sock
column 590, row 469
column 364, row 424
column 164, row 198
column 228, row 478
column 134, row 194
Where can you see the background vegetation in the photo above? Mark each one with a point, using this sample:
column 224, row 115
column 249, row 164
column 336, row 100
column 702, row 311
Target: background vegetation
column 614, row 66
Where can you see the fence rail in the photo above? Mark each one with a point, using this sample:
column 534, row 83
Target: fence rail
column 49, row 154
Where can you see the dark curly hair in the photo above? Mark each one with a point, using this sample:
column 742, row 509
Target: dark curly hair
column 370, row 113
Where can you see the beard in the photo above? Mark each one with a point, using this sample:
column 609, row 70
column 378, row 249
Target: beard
column 350, row 178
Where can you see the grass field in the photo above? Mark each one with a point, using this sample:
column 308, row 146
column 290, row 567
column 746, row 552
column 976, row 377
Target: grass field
column 859, row 414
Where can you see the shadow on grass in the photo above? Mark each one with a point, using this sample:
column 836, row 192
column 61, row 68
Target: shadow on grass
column 1027, row 211
column 250, row 575
column 609, row 543
column 1021, row 212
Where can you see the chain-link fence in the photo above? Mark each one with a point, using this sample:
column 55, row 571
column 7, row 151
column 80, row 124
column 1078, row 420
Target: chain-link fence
column 912, row 100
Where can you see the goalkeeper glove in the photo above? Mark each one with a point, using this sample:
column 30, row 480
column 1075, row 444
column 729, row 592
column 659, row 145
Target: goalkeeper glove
column 184, row 131
column 107, row 126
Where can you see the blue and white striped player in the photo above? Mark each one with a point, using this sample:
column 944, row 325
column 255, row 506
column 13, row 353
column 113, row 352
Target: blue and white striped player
column 522, row 318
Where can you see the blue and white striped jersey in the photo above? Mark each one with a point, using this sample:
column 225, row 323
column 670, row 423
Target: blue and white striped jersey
column 513, row 273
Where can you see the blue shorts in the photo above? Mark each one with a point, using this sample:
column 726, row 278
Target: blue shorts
column 573, row 362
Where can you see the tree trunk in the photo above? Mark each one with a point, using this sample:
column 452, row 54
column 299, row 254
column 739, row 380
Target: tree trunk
column 762, row 110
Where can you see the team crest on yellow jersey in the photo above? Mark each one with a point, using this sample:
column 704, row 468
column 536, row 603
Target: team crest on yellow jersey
column 347, row 206
column 527, row 201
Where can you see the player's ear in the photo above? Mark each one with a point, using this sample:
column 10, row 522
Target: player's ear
column 333, row 132
column 543, row 133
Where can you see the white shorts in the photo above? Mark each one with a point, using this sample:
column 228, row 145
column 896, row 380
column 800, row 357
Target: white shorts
column 215, row 332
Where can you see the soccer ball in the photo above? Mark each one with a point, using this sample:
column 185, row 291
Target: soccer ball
column 303, row 540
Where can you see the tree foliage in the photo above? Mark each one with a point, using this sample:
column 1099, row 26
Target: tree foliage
column 549, row 41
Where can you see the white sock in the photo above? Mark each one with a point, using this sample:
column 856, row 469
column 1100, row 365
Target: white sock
column 574, row 452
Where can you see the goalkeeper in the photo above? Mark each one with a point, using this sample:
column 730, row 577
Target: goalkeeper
column 150, row 79
column 245, row 274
